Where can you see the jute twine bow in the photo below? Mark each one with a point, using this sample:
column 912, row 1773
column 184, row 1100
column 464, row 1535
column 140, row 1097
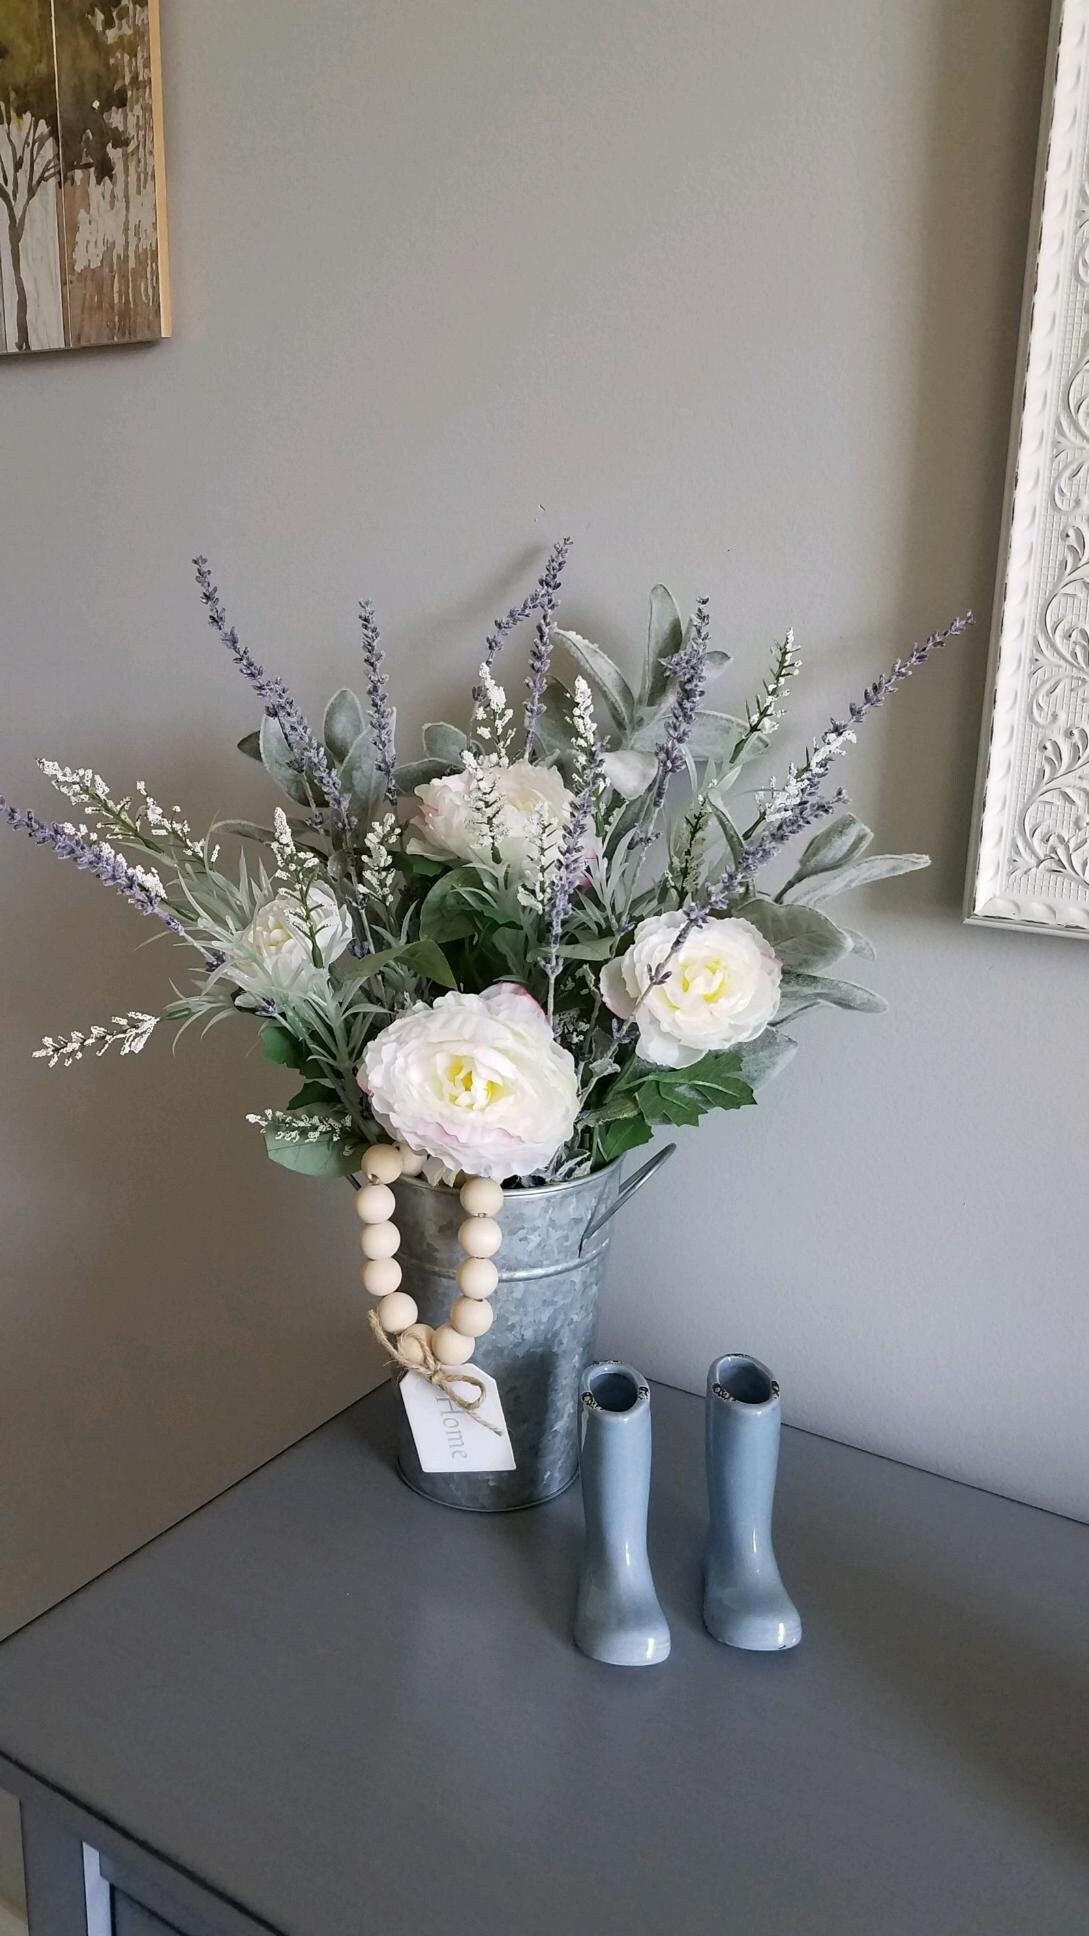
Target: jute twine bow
column 444, row 1376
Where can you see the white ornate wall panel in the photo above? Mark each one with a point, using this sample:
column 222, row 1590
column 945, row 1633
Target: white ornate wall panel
column 1030, row 862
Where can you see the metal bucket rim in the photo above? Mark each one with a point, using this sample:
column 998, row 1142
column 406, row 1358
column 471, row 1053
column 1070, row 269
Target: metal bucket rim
column 534, row 1190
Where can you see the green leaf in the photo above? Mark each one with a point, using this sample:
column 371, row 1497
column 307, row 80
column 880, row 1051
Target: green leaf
column 311, row 1095
column 605, row 678
column 511, row 947
column 422, row 867
column 801, row 936
column 765, row 1055
column 661, row 1104
column 803, row 990
column 280, row 1046
column 277, row 759
column 624, row 1134
column 250, row 745
column 682, row 1096
column 343, row 723
column 842, row 841
column 328, row 1156
column 443, row 742
column 877, row 867
column 613, row 1109
column 665, row 636
column 423, row 958
column 445, row 915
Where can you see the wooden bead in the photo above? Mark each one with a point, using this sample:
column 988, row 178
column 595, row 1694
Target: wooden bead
column 412, row 1161
column 480, row 1237
column 472, row 1316
column 381, row 1275
column 374, row 1203
column 481, row 1197
column 477, row 1277
column 413, row 1340
column 379, row 1239
column 382, row 1163
column 450, row 1347
column 397, row 1311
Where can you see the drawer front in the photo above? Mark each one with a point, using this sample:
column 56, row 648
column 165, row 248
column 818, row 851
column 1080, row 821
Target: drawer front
column 131, row 1919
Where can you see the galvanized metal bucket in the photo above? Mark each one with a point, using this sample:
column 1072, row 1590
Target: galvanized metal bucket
column 551, row 1269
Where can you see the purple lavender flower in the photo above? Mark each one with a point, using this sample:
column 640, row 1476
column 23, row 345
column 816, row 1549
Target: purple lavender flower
column 572, row 860
column 548, row 595
column 502, row 627
column 902, row 669
column 139, row 886
column 309, row 755
column 756, row 854
column 688, row 668
column 381, row 720
column 805, row 781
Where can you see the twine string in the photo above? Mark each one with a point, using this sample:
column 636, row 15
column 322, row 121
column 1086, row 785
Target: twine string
column 428, row 1366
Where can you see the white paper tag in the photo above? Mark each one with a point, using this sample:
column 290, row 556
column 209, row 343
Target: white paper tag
column 449, row 1439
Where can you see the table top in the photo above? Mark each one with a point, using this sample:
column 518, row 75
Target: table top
column 347, row 1709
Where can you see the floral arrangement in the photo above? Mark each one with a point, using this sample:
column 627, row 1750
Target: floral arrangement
column 521, row 952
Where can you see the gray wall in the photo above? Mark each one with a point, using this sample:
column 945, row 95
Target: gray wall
column 730, row 293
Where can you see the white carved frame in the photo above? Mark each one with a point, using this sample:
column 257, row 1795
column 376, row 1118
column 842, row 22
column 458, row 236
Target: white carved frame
column 1029, row 866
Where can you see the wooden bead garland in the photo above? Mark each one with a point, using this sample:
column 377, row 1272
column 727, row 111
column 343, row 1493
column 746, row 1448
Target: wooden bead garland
column 438, row 1353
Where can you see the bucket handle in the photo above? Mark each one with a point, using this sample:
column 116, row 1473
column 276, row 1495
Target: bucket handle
column 627, row 1189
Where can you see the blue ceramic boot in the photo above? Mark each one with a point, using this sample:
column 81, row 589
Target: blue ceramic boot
column 618, row 1618
column 744, row 1602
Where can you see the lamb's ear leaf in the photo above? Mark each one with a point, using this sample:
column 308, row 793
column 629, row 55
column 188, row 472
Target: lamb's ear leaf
column 553, row 730
column 843, row 840
column 606, row 679
column 328, row 1156
column 278, row 762
column 665, row 634
column 444, row 742
column 416, row 773
column 360, row 777
column 802, row 937
column 250, row 745
column 860, row 944
column 801, row 990
column 715, row 736
column 762, row 1058
column 840, row 880
column 343, row 723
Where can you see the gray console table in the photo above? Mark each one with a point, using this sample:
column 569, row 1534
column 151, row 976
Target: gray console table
column 324, row 1707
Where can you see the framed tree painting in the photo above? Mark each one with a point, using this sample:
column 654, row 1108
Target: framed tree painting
column 82, row 191
column 1030, row 859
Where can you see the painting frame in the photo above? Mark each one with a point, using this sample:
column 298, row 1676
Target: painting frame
column 1029, row 859
column 83, row 230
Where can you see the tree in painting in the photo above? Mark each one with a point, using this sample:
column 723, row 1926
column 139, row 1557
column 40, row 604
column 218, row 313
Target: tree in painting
column 62, row 108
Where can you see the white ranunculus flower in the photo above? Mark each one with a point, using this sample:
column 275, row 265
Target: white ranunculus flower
column 477, row 1082
column 444, row 827
column 274, row 954
column 722, row 988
